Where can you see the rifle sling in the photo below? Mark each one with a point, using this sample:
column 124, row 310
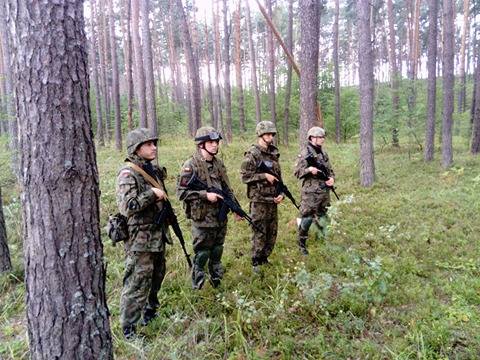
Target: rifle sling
column 147, row 177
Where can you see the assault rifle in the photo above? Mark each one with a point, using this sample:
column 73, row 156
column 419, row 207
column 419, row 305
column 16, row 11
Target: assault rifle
column 229, row 202
column 322, row 170
column 167, row 216
column 280, row 186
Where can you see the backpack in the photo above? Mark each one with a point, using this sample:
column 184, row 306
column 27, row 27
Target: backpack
column 117, row 228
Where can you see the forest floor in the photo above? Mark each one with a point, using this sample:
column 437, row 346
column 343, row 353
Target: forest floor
column 396, row 278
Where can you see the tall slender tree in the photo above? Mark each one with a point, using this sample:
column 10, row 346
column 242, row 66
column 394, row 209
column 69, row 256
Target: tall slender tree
column 104, row 37
column 288, row 85
column 218, row 96
column 465, row 31
column 448, row 80
column 271, row 63
column 67, row 315
column 432, row 79
column 475, row 145
column 115, row 78
column 212, row 109
column 253, row 64
column 139, row 71
column 238, row 67
column 338, row 125
column 365, row 72
column 127, row 49
column 5, row 262
column 226, row 72
column 394, row 75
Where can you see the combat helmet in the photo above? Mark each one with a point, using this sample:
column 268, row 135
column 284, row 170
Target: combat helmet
column 265, row 127
column 315, row 131
column 137, row 137
column 206, row 133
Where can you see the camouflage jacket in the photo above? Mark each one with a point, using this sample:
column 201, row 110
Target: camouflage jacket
column 202, row 212
column 312, row 183
column 258, row 188
column 137, row 201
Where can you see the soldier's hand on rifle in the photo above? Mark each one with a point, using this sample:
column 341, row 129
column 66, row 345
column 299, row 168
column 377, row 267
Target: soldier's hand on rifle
column 270, row 178
column 160, row 194
column 330, row 181
column 278, row 199
column 313, row 170
column 237, row 217
column 212, row 197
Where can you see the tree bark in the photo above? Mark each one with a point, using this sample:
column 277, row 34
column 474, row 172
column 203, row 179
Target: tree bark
column 448, row 81
column 226, row 73
column 466, row 29
column 475, row 146
column 271, row 63
column 394, row 76
column 253, row 65
column 309, row 33
column 238, row 68
column 218, row 96
column 148, row 66
column 432, row 80
column 365, row 71
column 139, row 70
column 338, row 125
column 127, row 48
column 67, row 314
column 105, row 39
column 288, row 86
column 115, row 79
column 211, row 108
column 5, row 262
column 96, row 86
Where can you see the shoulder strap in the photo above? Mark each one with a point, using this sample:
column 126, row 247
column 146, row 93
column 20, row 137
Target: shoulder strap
column 147, row 177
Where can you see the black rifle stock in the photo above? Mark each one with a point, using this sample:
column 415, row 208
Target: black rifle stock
column 229, row 201
column 280, row 186
column 322, row 171
column 168, row 216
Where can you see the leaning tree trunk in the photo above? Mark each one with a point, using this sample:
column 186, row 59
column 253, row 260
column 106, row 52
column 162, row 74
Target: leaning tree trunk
column 238, row 68
column 139, row 71
column 338, row 125
column 5, row 263
column 115, row 79
column 448, row 81
column 67, row 314
column 309, row 33
column 288, row 86
column 253, row 65
column 365, row 70
column 475, row 146
column 148, row 66
column 432, row 80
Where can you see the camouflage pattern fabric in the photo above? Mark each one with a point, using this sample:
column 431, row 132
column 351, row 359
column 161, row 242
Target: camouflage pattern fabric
column 261, row 194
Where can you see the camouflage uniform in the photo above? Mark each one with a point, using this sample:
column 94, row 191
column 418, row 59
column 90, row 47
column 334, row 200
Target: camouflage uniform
column 208, row 232
column 145, row 248
column 315, row 195
column 261, row 193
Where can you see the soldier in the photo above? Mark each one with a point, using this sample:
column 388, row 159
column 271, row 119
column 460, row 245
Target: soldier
column 261, row 191
column 140, row 202
column 203, row 207
column 315, row 193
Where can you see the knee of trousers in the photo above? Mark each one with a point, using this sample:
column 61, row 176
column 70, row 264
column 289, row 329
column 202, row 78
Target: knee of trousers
column 305, row 223
column 216, row 253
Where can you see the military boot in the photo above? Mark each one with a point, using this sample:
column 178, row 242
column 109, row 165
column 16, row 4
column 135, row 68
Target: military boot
column 198, row 272
column 129, row 332
column 302, row 243
column 148, row 316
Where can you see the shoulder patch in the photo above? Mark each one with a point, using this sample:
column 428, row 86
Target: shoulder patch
column 187, row 169
column 124, row 173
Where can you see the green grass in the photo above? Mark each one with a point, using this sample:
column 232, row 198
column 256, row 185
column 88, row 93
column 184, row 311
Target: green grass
column 397, row 277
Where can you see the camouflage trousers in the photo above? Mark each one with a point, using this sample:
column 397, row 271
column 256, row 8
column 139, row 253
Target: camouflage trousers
column 312, row 205
column 265, row 217
column 208, row 247
column 144, row 273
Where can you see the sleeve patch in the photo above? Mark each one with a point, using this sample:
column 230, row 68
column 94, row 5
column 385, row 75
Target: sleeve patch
column 124, row 173
column 187, row 170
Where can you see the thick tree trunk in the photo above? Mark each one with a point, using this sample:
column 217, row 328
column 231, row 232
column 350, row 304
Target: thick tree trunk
column 94, row 76
column 148, row 66
column 226, row 72
column 394, row 76
column 115, row 79
column 475, row 146
column 365, row 70
column 67, row 315
column 139, row 71
column 253, row 66
column 309, row 33
column 127, row 49
column 238, row 68
column 432, row 80
column 271, row 62
column 448, row 81
column 288, row 86
column 338, row 125
column 466, row 29
column 5, row 263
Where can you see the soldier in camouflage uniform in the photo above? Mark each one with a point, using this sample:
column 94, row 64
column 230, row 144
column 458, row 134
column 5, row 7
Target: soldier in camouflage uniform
column 140, row 202
column 315, row 192
column 202, row 207
column 261, row 191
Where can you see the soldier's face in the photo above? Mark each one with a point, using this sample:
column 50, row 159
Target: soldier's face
column 148, row 150
column 212, row 146
column 267, row 138
column 317, row 140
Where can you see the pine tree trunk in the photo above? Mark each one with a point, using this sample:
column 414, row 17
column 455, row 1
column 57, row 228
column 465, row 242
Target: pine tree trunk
column 475, row 146
column 365, row 70
column 67, row 314
column 172, row 55
column 288, row 86
column 338, row 125
column 238, row 68
column 253, row 65
column 211, row 108
column 5, row 263
column 148, row 66
column 394, row 76
column 139, row 70
column 94, row 77
column 107, row 51
column 309, row 33
column 432, row 80
column 115, row 79
column 448, row 81
column 466, row 29
column 218, row 96
column 127, row 50
column 226, row 72
column 271, row 63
